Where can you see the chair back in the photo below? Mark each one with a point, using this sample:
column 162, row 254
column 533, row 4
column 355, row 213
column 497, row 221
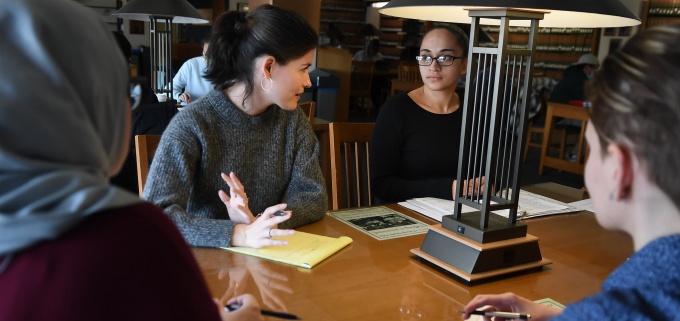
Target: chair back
column 409, row 72
column 350, row 165
column 309, row 107
column 408, row 78
column 145, row 147
column 362, row 75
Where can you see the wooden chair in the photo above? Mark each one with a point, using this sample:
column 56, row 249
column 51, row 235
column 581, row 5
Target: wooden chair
column 360, row 84
column 145, row 147
column 408, row 78
column 556, row 110
column 538, row 127
column 350, row 175
column 309, row 107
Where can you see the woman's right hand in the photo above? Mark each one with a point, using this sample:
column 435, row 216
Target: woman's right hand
column 260, row 232
column 249, row 309
column 237, row 203
column 510, row 302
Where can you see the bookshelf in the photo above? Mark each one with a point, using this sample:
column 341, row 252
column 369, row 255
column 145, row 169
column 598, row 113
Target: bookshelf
column 660, row 12
column 556, row 48
column 398, row 36
column 349, row 16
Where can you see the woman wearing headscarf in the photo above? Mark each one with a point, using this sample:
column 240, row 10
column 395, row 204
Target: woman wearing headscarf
column 72, row 247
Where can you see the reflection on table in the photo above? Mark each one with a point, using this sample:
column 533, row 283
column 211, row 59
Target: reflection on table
column 381, row 280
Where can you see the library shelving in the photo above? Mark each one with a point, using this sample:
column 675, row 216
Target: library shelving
column 556, row 48
column 349, row 16
column 660, row 12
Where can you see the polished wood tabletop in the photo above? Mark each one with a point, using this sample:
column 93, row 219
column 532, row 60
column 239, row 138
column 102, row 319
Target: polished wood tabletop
column 382, row 280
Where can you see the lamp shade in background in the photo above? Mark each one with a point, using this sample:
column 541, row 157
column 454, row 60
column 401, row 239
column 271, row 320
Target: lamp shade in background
column 181, row 11
column 161, row 14
column 565, row 13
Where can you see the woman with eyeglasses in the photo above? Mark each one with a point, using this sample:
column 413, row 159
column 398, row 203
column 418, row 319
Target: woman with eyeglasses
column 248, row 127
column 414, row 149
column 631, row 177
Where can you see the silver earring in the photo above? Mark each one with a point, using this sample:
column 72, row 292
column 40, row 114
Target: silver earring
column 271, row 84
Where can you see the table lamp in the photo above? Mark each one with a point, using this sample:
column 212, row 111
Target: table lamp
column 161, row 14
column 483, row 244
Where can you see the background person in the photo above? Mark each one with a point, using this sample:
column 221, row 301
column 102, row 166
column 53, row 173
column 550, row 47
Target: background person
column 371, row 54
column 414, row 149
column 149, row 117
column 250, row 125
column 572, row 86
column 189, row 83
column 633, row 136
column 73, row 247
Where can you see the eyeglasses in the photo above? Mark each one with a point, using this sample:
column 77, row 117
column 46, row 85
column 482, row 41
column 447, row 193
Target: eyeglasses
column 444, row 60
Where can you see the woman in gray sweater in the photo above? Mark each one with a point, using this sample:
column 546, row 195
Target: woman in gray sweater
column 250, row 126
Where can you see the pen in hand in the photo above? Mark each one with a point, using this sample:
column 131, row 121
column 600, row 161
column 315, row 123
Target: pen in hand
column 281, row 315
column 507, row 315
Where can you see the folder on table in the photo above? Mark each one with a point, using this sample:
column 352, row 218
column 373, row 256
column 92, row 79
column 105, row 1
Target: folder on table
column 303, row 249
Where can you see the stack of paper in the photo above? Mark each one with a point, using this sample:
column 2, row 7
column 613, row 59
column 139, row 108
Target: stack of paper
column 530, row 205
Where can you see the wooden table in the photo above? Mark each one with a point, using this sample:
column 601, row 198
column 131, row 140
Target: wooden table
column 381, row 280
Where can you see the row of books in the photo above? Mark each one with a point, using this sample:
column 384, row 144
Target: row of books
column 495, row 29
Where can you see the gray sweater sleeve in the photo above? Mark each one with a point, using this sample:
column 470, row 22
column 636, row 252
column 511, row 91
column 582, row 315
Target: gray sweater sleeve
column 169, row 186
column 306, row 195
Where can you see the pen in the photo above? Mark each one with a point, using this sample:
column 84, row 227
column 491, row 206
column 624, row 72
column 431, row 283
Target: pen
column 281, row 315
column 507, row 315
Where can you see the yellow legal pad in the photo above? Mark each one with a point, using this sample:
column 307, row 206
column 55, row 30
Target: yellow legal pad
column 303, row 249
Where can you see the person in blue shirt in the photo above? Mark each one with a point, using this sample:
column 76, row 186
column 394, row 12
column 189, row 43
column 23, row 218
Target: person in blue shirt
column 188, row 85
column 630, row 176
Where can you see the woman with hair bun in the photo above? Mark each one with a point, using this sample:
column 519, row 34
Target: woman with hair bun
column 633, row 136
column 250, row 126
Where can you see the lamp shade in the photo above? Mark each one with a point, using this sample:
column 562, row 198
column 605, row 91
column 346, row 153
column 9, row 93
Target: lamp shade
column 559, row 13
column 181, row 11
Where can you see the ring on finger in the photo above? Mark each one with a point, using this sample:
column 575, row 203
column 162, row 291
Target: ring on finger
column 270, row 233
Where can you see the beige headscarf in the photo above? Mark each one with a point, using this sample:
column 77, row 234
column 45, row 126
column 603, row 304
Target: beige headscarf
column 62, row 119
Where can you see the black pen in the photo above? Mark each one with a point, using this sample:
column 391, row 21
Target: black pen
column 507, row 315
column 281, row 315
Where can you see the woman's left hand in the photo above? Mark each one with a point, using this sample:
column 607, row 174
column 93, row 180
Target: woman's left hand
column 237, row 204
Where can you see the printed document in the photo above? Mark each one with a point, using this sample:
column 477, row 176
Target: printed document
column 381, row 222
column 530, row 205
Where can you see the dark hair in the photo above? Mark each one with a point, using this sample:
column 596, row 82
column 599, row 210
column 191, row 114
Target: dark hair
column 636, row 103
column 238, row 39
column 462, row 38
column 123, row 44
column 205, row 38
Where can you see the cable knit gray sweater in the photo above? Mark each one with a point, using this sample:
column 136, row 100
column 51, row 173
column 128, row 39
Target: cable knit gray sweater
column 274, row 154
